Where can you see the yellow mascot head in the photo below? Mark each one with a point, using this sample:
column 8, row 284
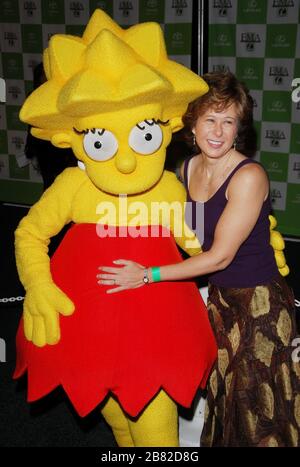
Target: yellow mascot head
column 115, row 98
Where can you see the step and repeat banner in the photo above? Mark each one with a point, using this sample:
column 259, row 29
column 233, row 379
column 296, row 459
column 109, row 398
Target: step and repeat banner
column 25, row 29
column 259, row 41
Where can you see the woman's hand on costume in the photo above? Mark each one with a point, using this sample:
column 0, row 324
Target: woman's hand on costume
column 129, row 276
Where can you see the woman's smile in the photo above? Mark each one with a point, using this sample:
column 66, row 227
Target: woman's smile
column 214, row 144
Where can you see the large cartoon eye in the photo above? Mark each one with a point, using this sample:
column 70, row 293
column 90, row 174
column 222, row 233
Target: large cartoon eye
column 100, row 144
column 146, row 137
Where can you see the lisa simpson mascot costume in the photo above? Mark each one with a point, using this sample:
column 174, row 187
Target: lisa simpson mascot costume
column 115, row 99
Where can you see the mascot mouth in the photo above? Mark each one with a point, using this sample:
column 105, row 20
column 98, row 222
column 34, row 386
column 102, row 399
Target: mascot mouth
column 123, row 185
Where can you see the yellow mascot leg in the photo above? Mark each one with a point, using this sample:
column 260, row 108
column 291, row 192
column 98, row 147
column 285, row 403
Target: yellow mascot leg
column 157, row 425
column 117, row 420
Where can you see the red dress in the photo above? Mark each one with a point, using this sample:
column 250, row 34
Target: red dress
column 131, row 343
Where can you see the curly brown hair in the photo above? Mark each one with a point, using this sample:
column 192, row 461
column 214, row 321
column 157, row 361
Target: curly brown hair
column 224, row 90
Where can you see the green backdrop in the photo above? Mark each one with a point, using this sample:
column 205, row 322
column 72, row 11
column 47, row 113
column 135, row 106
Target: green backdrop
column 260, row 42
column 25, row 28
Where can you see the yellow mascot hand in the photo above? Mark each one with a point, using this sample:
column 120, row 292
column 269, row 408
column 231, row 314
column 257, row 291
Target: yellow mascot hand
column 42, row 306
column 277, row 244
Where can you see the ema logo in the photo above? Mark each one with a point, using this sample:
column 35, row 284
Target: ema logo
column 76, row 8
column 11, row 38
column 282, row 7
column 221, row 68
column 275, row 136
column 179, row 6
column 14, row 91
column 29, row 7
column 222, row 6
column 18, row 142
column 296, row 168
column 254, row 103
column 250, row 39
column 125, row 7
column 275, row 194
column 278, row 72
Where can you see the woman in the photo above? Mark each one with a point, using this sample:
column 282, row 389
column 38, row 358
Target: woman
column 254, row 388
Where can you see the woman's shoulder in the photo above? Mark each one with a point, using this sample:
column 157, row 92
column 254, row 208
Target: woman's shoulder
column 248, row 166
column 251, row 167
column 250, row 174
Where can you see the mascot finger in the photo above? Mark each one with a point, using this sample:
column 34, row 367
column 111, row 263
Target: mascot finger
column 28, row 325
column 38, row 331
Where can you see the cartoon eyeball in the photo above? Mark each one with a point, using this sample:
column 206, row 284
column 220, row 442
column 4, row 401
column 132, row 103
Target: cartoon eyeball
column 146, row 137
column 100, row 144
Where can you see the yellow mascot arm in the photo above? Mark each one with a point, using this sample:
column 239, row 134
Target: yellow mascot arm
column 44, row 300
column 277, row 244
column 175, row 194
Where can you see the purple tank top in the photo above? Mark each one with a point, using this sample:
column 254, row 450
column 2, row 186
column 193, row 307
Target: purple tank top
column 254, row 263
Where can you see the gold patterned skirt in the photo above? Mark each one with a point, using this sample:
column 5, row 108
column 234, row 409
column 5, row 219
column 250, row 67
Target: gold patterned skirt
column 253, row 394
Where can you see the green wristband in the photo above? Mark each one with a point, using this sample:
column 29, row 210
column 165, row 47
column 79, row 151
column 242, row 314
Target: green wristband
column 156, row 274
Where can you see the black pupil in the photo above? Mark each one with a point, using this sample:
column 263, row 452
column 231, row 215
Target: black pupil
column 97, row 144
column 148, row 137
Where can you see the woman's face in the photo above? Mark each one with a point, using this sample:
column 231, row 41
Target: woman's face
column 215, row 131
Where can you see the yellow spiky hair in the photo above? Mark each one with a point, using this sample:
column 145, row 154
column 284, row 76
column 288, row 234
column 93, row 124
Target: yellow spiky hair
column 106, row 70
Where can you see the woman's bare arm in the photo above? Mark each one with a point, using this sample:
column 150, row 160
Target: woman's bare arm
column 246, row 193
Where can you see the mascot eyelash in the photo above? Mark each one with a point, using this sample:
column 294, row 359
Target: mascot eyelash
column 149, row 122
column 92, row 130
